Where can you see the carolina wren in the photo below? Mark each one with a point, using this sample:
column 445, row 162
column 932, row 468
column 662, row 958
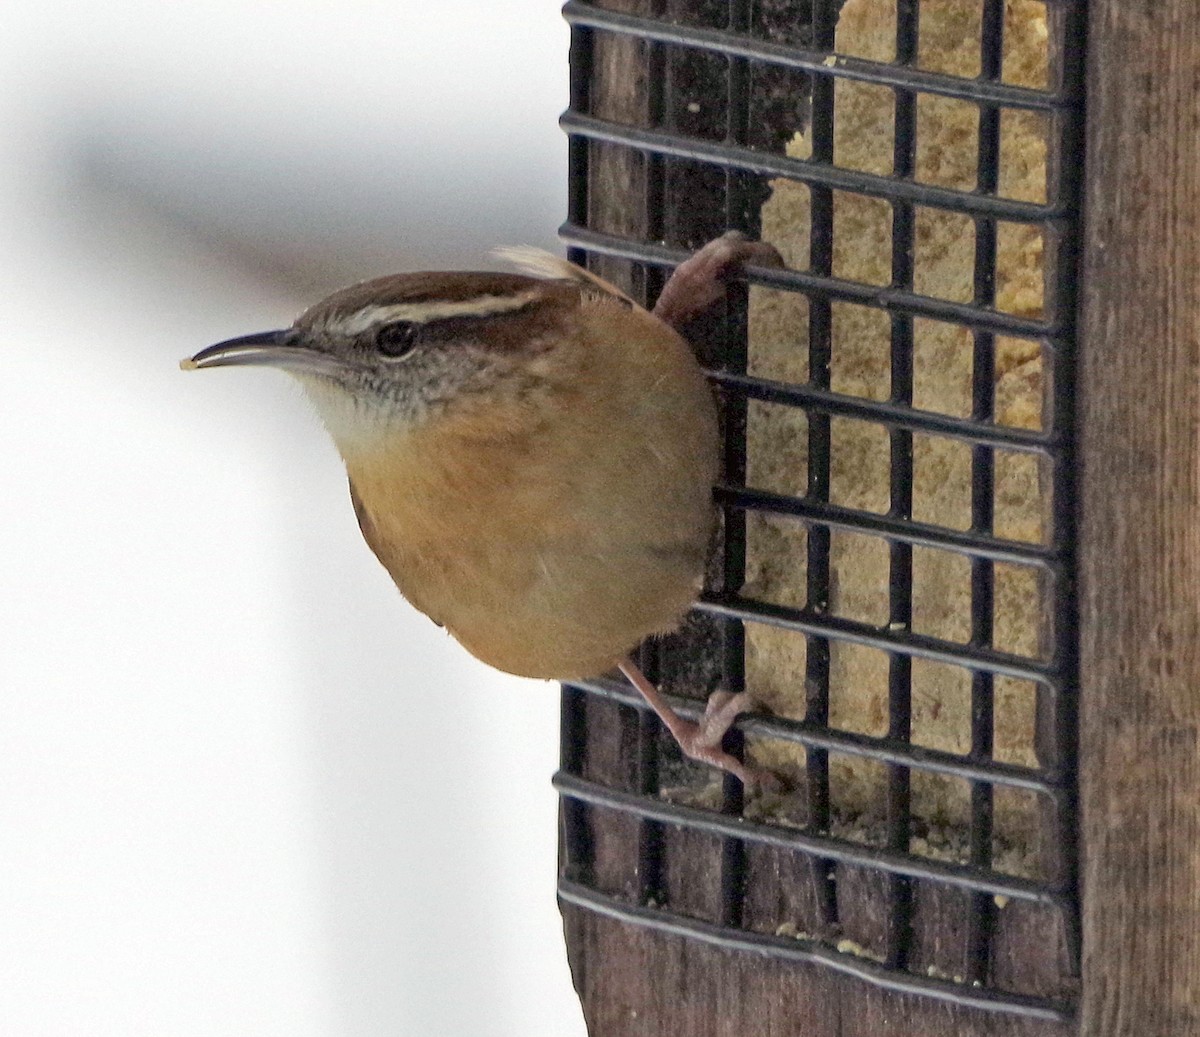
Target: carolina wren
column 531, row 457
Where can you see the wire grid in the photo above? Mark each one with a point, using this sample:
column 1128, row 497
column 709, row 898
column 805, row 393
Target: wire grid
column 1054, row 672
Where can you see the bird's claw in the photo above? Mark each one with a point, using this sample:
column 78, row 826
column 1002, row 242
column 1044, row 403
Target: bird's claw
column 699, row 281
column 703, row 743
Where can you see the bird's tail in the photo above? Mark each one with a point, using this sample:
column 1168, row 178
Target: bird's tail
column 537, row 262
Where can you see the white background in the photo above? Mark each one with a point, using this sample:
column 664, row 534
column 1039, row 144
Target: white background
column 244, row 788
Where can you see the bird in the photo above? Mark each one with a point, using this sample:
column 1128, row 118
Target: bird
column 530, row 456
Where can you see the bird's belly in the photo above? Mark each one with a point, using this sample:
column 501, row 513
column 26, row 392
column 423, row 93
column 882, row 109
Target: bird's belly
column 529, row 608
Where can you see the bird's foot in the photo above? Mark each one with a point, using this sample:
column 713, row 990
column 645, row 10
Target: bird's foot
column 702, row 741
column 699, row 281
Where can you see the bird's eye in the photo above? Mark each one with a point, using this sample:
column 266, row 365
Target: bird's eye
column 396, row 339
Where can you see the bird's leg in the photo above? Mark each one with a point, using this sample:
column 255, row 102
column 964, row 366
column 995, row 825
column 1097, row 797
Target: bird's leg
column 699, row 281
column 702, row 741
column 697, row 284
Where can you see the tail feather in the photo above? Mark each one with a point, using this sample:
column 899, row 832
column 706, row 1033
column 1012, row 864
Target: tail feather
column 539, row 263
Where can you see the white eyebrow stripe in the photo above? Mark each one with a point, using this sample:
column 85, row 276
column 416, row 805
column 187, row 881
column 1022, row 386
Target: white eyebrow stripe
column 431, row 310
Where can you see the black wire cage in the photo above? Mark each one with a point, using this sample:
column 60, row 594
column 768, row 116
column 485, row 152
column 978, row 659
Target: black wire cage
column 688, row 118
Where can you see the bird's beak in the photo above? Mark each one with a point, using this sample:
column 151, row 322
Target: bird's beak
column 282, row 348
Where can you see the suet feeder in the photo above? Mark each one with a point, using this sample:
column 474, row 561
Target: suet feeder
column 956, row 560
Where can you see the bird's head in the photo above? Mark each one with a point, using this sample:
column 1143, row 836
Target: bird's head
column 387, row 355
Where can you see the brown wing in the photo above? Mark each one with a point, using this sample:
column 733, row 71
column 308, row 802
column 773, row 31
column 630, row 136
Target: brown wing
column 371, row 536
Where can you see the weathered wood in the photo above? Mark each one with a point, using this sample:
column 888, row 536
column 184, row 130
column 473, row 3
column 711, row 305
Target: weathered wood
column 1139, row 397
column 633, row 982
column 617, row 176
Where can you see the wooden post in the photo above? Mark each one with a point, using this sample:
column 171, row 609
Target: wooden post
column 1139, row 410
